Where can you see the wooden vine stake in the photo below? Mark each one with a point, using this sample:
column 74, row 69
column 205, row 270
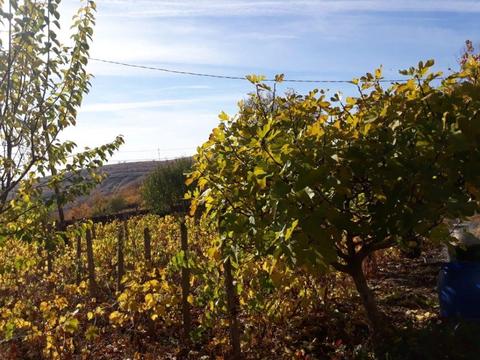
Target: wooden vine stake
column 49, row 259
column 120, row 259
column 49, row 247
column 147, row 240
column 92, row 283
column 186, row 314
column 94, row 232
column 79, row 263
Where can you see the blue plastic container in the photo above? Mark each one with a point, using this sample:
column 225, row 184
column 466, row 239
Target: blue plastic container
column 459, row 290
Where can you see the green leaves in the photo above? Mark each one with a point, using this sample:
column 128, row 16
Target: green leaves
column 223, row 116
column 255, row 79
column 164, row 189
column 322, row 183
column 44, row 88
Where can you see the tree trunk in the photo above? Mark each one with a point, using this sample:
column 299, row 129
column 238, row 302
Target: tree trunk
column 61, row 226
column 120, row 260
column 61, row 215
column 79, row 260
column 232, row 304
column 60, row 211
column 375, row 317
column 92, row 283
column 187, row 317
column 147, row 240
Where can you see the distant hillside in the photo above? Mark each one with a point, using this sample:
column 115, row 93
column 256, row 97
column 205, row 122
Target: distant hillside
column 122, row 186
column 125, row 175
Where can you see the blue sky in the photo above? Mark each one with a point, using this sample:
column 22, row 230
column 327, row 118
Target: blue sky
column 164, row 115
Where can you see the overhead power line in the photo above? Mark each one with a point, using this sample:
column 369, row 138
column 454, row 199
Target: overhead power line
column 228, row 77
column 169, row 70
column 158, row 149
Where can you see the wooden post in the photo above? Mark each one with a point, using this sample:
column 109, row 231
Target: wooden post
column 41, row 263
column 187, row 317
column 147, row 240
column 120, row 260
column 94, row 232
column 92, row 283
column 79, row 260
column 232, row 304
column 49, row 259
column 125, row 229
column 50, row 247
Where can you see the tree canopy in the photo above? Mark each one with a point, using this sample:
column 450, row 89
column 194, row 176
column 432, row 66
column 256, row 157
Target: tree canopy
column 42, row 85
column 323, row 183
column 163, row 190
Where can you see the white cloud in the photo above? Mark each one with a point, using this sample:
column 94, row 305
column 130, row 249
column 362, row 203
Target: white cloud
column 304, row 39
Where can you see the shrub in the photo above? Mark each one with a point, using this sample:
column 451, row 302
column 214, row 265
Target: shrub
column 163, row 190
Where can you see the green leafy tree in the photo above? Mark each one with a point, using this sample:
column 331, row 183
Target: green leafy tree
column 322, row 184
column 163, row 190
column 42, row 85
